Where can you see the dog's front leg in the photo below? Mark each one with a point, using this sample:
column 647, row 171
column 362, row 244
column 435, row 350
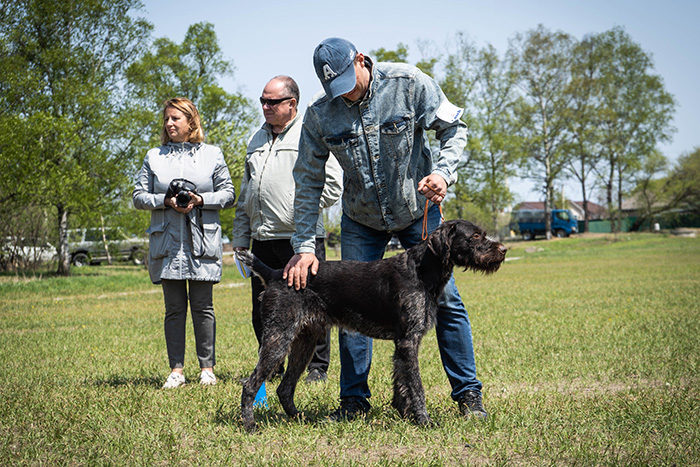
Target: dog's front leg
column 409, row 397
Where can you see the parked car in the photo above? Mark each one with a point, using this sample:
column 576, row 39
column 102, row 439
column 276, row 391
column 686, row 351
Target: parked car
column 86, row 246
column 27, row 250
column 531, row 223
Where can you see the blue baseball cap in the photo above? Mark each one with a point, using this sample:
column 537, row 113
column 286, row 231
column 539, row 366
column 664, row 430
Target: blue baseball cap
column 333, row 60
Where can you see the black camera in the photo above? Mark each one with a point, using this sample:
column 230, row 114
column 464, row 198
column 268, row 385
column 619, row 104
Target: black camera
column 183, row 199
column 181, row 188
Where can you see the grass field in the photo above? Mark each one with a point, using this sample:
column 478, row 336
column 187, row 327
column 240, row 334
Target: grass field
column 588, row 349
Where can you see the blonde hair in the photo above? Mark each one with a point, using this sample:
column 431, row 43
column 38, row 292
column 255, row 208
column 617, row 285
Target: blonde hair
column 185, row 106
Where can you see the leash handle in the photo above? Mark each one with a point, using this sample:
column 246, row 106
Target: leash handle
column 424, row 232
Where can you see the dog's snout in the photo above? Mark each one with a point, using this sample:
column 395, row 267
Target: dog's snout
column 503, row 249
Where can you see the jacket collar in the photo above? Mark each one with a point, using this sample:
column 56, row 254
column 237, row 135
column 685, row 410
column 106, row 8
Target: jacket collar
column 268, row 128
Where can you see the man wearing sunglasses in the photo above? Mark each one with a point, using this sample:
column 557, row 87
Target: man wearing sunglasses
column 373, row 117
column 265, row 210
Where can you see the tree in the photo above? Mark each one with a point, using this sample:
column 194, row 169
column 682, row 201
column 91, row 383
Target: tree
column 583, row 116
column 191, row 69
column 60, row 97
column 542, row 61
column 676, row 192
column 650, row 190
column 685, row 180
column 400, row 55
column 458, row 82
column 492, row 145
column 636, row 113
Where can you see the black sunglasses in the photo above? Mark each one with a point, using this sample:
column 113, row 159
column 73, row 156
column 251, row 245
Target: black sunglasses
column 273, row 102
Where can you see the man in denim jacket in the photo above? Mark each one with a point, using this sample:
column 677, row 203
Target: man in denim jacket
column 373, row 118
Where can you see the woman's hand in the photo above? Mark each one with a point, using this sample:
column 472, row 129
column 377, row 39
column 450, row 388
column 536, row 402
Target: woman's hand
column 195, row 200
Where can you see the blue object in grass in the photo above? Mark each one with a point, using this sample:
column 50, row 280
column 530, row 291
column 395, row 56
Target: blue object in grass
column 261, row 398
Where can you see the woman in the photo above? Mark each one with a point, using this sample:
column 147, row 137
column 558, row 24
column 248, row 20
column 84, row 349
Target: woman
column 184, row 183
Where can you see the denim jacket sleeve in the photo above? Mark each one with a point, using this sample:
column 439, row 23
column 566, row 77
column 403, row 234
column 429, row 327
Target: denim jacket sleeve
column 309, row 177
column 435, row 112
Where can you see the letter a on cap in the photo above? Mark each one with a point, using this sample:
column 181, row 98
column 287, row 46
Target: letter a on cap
column 328, row 73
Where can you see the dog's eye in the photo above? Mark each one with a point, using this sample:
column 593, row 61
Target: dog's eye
column 476, row 236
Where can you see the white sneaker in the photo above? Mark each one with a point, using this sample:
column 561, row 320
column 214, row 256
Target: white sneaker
column 207, row 378
column 175, row 380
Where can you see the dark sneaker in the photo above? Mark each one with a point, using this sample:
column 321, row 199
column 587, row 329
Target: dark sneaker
column 350, row 408
column 316, row 376
column 471, row 404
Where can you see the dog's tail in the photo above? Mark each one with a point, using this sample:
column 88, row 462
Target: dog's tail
column 260, row 269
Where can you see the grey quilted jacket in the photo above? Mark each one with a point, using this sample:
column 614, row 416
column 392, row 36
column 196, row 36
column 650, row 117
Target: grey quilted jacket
column 184, row 246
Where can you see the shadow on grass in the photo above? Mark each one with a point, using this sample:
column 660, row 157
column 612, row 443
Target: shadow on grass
column 273, row 417
column 157, row 381
column 118, row 381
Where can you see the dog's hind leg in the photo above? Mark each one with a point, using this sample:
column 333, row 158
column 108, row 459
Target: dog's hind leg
column 409, row 398
column 300, row 354
column 270, row 355
column 250, row 389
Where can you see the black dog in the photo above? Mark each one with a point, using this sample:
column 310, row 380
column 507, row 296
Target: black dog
column 394, row 298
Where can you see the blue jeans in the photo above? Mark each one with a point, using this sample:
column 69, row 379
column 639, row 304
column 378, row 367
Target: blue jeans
column 454, row 333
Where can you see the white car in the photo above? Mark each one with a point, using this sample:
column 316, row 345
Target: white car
column 28, row 251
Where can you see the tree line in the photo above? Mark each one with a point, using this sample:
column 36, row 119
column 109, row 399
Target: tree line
column 82, row 84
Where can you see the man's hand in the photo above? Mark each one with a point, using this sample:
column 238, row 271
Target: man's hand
column 297, row 269
column 433, row 187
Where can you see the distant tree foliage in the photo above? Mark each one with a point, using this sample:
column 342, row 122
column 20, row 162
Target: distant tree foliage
column 675, row 193
column 192, row 69
column 635, row 113
column 492, row 148
column 61, row 102
column 400, row 55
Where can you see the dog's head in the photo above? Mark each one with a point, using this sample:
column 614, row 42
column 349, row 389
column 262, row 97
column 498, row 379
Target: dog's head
column 464, row 244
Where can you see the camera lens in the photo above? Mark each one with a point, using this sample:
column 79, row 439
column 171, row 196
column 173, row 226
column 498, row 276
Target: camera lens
column 183, row 199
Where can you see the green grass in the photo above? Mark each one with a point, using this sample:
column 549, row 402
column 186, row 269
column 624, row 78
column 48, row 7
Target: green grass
column 587, row 348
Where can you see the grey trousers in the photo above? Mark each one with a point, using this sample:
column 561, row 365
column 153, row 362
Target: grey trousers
column 203, row 321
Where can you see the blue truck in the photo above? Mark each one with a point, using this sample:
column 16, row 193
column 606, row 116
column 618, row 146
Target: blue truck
column 531, row 223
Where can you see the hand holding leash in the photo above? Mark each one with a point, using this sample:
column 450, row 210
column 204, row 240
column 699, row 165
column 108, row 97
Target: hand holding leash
column 433, row 187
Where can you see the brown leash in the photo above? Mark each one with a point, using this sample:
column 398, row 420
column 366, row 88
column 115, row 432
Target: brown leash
column 424, row 233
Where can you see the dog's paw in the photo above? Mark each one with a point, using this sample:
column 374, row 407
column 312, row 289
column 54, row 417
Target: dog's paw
column 424, row 420
column 251, row 427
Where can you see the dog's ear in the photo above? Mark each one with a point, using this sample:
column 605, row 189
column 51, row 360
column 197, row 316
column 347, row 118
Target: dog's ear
column 439, row 242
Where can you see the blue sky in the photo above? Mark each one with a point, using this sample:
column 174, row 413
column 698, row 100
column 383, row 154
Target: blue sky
column 264, row 39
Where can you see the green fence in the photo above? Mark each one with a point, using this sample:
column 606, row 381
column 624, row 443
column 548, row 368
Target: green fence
column 667, row 222
column 606, row 226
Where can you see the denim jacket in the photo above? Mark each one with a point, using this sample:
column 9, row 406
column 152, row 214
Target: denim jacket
column 382, row 147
